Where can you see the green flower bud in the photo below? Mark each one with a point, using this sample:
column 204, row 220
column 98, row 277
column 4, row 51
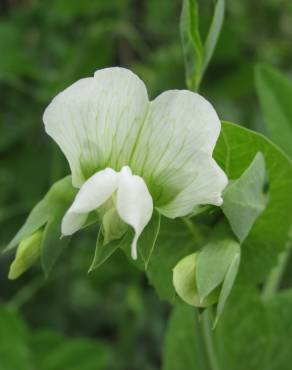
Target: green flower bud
column 27, row 254
column 185, row 283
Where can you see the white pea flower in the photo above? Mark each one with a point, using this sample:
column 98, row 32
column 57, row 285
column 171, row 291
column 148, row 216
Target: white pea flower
column 129, row 155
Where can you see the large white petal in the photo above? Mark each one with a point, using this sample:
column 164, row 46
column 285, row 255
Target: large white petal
column 174, row 152
column 134, row 204
column 96, row 121
column 93, row 193
column 206, row 188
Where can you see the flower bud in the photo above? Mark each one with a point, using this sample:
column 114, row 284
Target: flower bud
column 27, row 254
column 185, row 283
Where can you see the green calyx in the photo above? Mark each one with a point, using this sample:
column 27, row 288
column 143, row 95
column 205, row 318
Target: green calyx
column 46, row 216
column 113, row 227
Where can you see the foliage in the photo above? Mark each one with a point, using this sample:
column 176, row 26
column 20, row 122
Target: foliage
column 112, row 318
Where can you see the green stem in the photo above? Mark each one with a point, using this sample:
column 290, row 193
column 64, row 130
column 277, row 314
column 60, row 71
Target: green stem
column 208, row 340
column 274, row 279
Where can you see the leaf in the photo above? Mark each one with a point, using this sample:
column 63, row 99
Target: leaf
column 173, row 243
column 56, row 201
column 234, row 151
column 214, row 32
column 279, row 313
column 213, row 263
column 244, row 200
column 183, row 348
column 242, row 335
column 36, row 219
column 52, row 244
column 147, row 240
column 274, row 91
column 191, row 43
column 14, row 349
column 196, row 56
column 54, row 352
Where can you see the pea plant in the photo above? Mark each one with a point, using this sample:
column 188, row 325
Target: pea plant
column 201, row 205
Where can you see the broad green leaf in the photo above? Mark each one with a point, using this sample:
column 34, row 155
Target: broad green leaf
column 14, row 349
column 53, row 243
column 214, row 32
column 279, row 313
column 244, row 200
column 274, row 91
column 213, row 263
column 191, row 43
column 183, row 348
column 242, row 335
column 234, row 152
column 54, row 352
column 147, row 240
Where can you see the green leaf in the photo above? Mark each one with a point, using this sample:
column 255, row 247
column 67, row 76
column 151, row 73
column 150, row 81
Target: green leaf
column 234, row 152
column 214, row 32
column 54, row 352
column 279, row 313
column 147, row 240
column 191, row 43
column 244, row 200
column 14, row 349
column 274, row 91
column 36, row 219
column 242, row 335
column 53, row 243
column 56, row 201
column 197, row 56
column 214, row 261
column 183, row 348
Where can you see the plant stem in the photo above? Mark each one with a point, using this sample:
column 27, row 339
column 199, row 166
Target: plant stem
column 208, row 340
column 276, row 274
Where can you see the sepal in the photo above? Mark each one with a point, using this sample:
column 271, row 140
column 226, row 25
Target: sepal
column 44, row 221
column 206, row 277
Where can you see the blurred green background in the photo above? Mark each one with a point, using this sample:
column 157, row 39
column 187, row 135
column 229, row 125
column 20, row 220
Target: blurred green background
column 45, row 46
